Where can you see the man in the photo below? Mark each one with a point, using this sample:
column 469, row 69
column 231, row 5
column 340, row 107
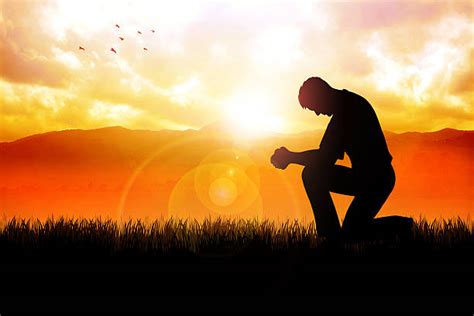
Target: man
column 353, row 129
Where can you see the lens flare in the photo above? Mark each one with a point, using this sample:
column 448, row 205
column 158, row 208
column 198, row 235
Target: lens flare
column 236, row 161
column 223, row 192
column 224, row 188
column 226, row 183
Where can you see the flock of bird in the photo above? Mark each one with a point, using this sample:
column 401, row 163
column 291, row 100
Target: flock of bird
column 121, row 39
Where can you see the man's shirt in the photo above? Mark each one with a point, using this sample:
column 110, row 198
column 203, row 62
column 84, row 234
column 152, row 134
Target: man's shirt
column 355, row 129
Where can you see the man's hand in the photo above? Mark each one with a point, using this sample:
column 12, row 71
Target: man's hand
column 281, row 158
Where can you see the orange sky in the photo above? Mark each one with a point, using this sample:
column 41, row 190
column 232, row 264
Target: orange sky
column 240, row 61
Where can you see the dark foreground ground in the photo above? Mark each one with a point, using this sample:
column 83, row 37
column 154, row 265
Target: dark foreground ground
column 92, row 267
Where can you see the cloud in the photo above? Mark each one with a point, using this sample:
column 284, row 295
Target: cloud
column 68, row 59
column 26, row 56
column 112, row 113
column 25, row 65
column 379, row 15
column 411, row 59
column 278, row 47
column 435, row 73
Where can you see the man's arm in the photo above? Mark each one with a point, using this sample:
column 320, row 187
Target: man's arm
column 304, row 158
column 331, row 147
column 283, row 157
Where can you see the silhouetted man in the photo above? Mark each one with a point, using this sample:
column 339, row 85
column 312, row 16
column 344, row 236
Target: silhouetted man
column 353, row 129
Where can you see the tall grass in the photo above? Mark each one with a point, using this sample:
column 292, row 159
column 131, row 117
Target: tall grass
column 157, row 236
column 444, row 232
column 107, row 237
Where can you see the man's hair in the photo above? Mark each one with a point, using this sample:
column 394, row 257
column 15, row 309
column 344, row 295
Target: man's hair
column 312, row 88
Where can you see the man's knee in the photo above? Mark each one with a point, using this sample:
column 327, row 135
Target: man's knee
column 308, row 174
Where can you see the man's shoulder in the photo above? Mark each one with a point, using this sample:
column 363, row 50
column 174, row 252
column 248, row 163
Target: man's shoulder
column 355, row 100
column 354, row 96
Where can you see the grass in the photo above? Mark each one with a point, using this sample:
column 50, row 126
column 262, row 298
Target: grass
column 97, row 238
column 185, row 259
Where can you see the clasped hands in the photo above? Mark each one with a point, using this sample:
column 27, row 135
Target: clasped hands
column 281, row 158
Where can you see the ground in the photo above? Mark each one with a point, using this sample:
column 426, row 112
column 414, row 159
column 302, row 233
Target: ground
column 60, row 270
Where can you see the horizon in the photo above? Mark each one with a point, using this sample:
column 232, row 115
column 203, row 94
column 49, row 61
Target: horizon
column 270, row 134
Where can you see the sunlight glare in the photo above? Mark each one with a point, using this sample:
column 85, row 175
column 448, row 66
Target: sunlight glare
column 251, row 115
column 278, row 47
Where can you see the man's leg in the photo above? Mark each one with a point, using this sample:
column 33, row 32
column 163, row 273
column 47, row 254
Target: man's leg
column 367, row 203
column 318, row 182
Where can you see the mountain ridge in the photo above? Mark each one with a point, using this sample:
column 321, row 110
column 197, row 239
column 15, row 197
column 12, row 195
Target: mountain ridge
column 84, row 172
column 218, row 126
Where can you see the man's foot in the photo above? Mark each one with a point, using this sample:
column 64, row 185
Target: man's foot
column 393, row 227
column 383, row 228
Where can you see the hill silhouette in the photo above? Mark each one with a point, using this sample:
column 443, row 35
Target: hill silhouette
column 84, row 172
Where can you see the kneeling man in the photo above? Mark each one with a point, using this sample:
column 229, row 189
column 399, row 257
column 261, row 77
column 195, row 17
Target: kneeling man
column 353, row 129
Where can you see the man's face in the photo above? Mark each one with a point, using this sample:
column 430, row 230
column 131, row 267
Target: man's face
column 319, row 111
column 319, row 107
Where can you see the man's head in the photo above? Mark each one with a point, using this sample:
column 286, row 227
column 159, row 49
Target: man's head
column 318, row 96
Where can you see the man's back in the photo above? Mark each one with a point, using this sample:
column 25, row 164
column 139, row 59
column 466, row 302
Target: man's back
column 355, row 129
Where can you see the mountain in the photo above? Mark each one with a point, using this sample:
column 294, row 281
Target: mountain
column 114, row 171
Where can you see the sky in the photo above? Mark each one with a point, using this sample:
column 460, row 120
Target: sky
column 238, row 62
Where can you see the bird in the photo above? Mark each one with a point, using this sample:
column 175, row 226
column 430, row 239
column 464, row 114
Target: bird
column 153, row 31
column 121, row 38
column 144, row 48
column 117, row 26
column 139, row 32
column 81, row 48
column 113, row 50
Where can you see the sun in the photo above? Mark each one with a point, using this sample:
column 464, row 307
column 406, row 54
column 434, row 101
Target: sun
column 251, row 115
